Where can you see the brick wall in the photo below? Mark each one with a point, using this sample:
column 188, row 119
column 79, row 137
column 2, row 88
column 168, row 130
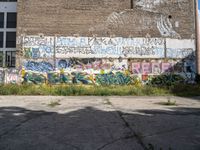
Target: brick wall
column 157, row 18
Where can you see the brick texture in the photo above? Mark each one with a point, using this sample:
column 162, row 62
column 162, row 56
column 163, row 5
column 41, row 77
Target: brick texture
column 135, row 18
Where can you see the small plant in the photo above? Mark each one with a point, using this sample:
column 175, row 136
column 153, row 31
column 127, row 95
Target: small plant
column 54, row 103
column 106, row 101
column 169, row 103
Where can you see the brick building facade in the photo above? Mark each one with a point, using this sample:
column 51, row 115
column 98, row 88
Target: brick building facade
column 158, row 18
column 90, row 37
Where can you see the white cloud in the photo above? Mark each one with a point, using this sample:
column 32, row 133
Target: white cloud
column 199, row 14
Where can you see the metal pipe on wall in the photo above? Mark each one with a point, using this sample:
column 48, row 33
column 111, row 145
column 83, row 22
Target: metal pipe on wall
column 197, row 36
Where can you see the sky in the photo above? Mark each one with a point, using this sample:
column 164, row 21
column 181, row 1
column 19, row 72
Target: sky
column 199, row 4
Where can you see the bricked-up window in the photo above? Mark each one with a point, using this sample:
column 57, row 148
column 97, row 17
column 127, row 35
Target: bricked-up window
column 1, row 59
column 1, row 39
column 11, row 20
column 10, row 58
column 10, row 39
column 1, row 20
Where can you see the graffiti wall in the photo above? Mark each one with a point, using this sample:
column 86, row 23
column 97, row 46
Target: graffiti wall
column 101, row 47
column 2, row 75
column 36, row 47
column 179, row 48
column 9, row 76
column 105, row 60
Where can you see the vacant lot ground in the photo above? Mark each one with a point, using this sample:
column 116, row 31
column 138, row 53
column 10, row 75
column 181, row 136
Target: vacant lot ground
column 99, row 123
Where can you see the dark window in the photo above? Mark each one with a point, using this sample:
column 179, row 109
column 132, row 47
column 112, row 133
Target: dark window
column 11, row 20
column 132, row 4
column 8, row 0
column 10, row 39
column 10, row 59
column 1, row 39
column 1, row 20
column 1, row 59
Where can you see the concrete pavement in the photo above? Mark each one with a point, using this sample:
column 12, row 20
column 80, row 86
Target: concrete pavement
column 99, row 123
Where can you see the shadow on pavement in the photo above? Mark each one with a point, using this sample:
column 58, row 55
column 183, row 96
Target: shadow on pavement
column 93, row 129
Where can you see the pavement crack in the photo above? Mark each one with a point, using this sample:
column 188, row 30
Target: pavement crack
column 137, row 136
column 133, row 133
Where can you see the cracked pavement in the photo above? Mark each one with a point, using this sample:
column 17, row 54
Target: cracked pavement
column 99, row 123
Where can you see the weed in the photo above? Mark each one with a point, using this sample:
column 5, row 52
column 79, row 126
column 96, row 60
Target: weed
column 54, row 103
column 169, row 102
column 106, row 101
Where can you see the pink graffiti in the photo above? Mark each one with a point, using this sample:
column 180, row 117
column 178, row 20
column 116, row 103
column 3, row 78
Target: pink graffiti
column 146, row 68
column 166, row 67
column 151, row 68
column 136, row 68
column 11, row 78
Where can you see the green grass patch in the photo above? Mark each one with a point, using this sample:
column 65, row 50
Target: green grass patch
column 185, row 90
column 90, row 90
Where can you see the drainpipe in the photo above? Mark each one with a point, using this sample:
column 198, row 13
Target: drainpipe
column 197, row 36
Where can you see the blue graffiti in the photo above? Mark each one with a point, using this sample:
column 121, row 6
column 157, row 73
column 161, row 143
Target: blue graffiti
column 39, row 66
column 54, row 78
column 35, row 53
column 64, row 64
column 46, row 51
column 113, row 79
column 79, row 78
column 72, row 41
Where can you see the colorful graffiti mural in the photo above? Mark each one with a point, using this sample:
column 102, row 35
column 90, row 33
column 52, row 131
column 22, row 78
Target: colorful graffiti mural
column 36, row 47
column 157, row 68
column 117, row 78
column 106, row 60
column 154, row 73
column 88, row 72
column 167, row 79
column 35, row 78
column 92, row 64
column 42, row 66
column 101, row 47
column 12, row 76
column 9, row 76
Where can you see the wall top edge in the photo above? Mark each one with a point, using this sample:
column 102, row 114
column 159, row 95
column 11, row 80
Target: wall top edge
column 57, row 36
